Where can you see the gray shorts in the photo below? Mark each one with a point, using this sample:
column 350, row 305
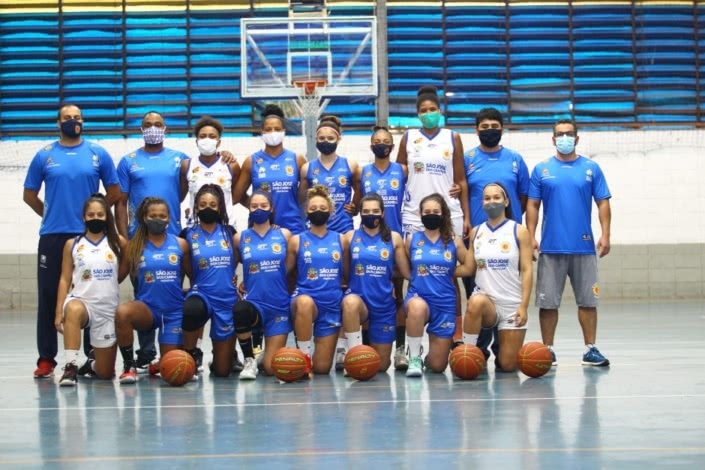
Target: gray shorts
column 552, row 272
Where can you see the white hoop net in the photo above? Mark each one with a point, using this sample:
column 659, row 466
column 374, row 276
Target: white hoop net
column 310, row 92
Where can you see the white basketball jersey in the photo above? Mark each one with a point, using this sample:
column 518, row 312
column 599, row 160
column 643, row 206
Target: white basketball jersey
column 497, row 256
column 95, row 273
column 430, row 163
column 217, row 173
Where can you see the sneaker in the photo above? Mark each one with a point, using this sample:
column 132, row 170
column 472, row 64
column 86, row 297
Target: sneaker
column 415, row 368
column 307, row 371
column 86, row 368
column 456, row 344
column 153, row 368
column 260, row 362
column 339, row 359
column 129, row 375
column 258, row 351
column 554, row 361
column 198, row 358
column 237, row 364
column 249, row 370
column 45, row 368
column 593, row 357
column 70, row 377
column 401, row 361
column 142, row 365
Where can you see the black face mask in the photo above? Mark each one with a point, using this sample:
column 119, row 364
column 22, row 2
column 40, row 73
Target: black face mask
column 156, row 226
column 318, row 217
column 326, row 148
column 72, row 128
column 382, row 150
column 490, row 137
column 432, row 221
column 96, row 225
column 208, row 215
column 371, row 220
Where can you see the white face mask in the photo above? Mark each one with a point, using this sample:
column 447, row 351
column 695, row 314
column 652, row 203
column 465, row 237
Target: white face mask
column 207, row 147
column 273, row 139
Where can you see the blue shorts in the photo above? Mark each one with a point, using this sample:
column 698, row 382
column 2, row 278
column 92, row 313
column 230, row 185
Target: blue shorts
column 220, row 315
column 329, row 319
column 382, row 326
column 441, row 316
column 169, row 324
column 275, row 321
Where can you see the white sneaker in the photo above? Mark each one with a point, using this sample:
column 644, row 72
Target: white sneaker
column 415, row 367
column 249, row 369
column 401, row 361
column 340, row 359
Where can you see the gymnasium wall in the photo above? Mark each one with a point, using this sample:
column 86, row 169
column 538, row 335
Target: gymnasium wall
column 658, row 207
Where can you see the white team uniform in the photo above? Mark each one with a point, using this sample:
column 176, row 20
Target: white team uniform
column 498, row 276
column 95, row 283
column 430, row 163
column 217, row 173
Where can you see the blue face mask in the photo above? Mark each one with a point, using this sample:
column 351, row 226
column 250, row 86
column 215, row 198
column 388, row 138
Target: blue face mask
column 430, row 120
column 565, row 144
column 260, row 216
column 327, row 148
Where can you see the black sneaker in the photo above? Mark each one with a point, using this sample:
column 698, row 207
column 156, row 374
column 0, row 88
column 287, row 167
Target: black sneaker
column 142, row 364
column 456, row 344
column 237, row 364
column 70, row 377
column 87, row 368
column 198, row 357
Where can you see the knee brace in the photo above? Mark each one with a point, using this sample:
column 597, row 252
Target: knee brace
column 195, row 313
column 245, row 316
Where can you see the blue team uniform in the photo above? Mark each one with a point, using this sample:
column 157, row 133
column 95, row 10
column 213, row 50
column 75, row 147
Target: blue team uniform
column 143, row 174
column 390, row 185
column 264, row 269
column 503, row 166
column 371, row 268
column 566, row 190
column 339, row 182
column 71, row 175
column 213, row 267
column 159, row 287
column 320, row 272
column 432, row 267
column 280, row 176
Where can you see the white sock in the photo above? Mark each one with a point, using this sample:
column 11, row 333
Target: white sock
column 342, row 343
column 71, row 356
column 549, row 346
column 470, row 339
column 305, row 346
column 198, row 343
column 588, row 347
column 414, row 343
column 353, row 339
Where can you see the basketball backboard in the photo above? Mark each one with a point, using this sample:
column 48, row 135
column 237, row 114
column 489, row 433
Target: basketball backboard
column 277, row 52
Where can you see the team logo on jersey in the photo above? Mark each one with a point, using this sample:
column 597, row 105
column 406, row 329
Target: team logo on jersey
column 447, row 255
column 418, row 140
column 588, row 175
column 478, row 236
column 289, row 170
column 336, row 256
column 471, row 153
column 306, row 243
column 246, row 250
column 447, row 154
column 368, row 185
column 481, row 264
column 264, row 186
column 420, row 243
column 132, row 155
column 195, row 246
column 394, row 183
column 253, row 268
column 504, row 247
column 48, row 147
column 356, row 249
column 384, row 254
column 259, row 160
column 276, row 248
column 316, row 171
column 422, row 270
column 247, row 239
column 312, row 274
column 95, row 159
column 202, row 263
column 109, row 257
column 196, row 170
column 224, row 244
column 342, row 181
column 368, row 174
column 515, row 167
column 148, row 277
column 221, row 181
column 418, row 167
column 307, row 254
column 80, row 248
column 173, row 259
column 86, row 275
column 545, row 172
column 359, row 269
column 595, row 290
column 194, row 236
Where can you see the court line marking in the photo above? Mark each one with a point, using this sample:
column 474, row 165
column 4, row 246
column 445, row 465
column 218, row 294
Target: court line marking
column 349, row 402
column 305, row 453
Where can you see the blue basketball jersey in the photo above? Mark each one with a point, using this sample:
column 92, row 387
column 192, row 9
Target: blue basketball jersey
column 371, row 268
column 71, row 175
column 212, row 264
column 339, row 182
column 143, row 174
column 320, row 268
column 432, row 267
column 280, row 176
column 390, row 186
column 264, row 268
column 159, row 275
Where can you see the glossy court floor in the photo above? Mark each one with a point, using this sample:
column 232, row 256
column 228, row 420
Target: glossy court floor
column 646, row 411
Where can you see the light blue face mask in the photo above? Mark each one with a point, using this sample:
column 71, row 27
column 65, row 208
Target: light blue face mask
column 430, row 120
column 565, row 144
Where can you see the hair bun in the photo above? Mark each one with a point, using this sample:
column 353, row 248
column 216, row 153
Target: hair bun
column 272, row 110
column 428, row 89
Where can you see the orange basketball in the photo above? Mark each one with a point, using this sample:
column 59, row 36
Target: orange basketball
column 534, row 359
column 362, row 362
column 289, row 364
column 467, row 362
column 177, row 367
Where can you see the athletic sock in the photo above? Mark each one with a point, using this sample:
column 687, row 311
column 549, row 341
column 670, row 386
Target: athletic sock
column 415, row 345
column 128, row 355
column 246, row 346
column 588, row 347
column 305, row 346
column 71, row 356
column 401, row 336
column 354, row 338
column 470, row 339
column 342, row 343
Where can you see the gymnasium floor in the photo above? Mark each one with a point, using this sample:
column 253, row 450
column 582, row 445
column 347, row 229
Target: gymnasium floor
column 646, row 411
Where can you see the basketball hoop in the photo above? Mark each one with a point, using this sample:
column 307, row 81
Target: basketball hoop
column 310, row 92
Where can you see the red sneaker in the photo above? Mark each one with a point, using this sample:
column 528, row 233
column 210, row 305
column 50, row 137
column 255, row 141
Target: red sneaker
column 154, row 368
column 307, row 370
column 45, row 368
column 129, row 376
